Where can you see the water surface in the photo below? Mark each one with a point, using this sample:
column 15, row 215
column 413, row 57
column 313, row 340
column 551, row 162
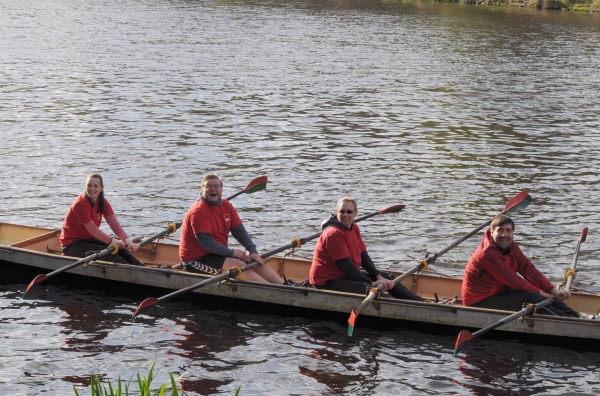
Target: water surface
column 446, row 108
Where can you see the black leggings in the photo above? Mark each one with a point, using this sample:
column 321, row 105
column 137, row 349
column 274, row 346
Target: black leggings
column 349, row 285
column 86, row 247
column 513, row 301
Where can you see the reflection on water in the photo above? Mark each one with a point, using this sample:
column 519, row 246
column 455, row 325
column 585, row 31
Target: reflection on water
column 447, row 108
column 217, row 351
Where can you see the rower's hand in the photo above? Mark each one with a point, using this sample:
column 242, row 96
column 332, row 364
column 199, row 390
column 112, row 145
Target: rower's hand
column 256, row 257
column 384, row 286
column 387, row 283
column 561, row 294
column 130, row 245
column 119, row 243
column 238, row 254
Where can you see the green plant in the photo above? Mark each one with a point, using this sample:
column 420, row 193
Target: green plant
column 144, row 386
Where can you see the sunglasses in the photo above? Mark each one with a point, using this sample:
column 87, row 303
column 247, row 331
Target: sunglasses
column 345, row 211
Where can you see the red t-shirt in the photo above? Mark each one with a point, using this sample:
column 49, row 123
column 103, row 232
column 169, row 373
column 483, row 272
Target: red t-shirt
column 217, row 220
column 80, row 213
column 491, row 272
column 335, row 244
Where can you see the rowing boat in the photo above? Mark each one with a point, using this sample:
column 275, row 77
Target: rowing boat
column 39, row 248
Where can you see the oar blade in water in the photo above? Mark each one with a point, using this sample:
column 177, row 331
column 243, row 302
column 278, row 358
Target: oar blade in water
column 462, row 340
column 150, row 301
column 351, row 322
column 38, row 279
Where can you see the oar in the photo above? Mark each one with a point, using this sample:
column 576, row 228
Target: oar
column 112, row 248
column 258, row 184
column 465, row 336
column 517, row 203
column 233, row 272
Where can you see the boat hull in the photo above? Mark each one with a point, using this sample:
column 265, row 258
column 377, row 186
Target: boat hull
column 37, row 248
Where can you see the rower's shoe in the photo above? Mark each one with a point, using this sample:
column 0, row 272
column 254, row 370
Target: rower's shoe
column 304, row 283
column 589, row 317
column 448, row 301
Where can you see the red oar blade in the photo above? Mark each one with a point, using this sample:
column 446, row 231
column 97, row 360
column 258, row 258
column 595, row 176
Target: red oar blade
column 518, row 203
column 35, row 281
column 351, row 322
column 391, row 209
column 258, row 184
column 462, row 340
column 583, row 235
column 150, row 301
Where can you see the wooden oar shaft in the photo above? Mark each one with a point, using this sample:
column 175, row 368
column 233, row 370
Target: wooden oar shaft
column 520, row 201
column 167, row 231
column 91, row 257
column 367, row 300
column 524, row 312
column 42, row 277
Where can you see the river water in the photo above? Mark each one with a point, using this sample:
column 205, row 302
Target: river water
column 446, row 108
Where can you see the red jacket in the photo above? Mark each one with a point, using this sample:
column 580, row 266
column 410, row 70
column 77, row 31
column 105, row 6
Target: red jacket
column 335, row 243
column 491, row 272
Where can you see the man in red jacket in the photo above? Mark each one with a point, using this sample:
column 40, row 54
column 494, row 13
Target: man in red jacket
column 499, row 276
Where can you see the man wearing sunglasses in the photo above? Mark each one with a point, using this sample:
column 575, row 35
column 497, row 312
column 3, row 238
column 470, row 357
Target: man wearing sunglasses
column 205, row 232
column 341, row 252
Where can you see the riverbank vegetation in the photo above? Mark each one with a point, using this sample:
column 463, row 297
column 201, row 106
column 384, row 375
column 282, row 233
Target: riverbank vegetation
column 569, row 5
column 144, row 386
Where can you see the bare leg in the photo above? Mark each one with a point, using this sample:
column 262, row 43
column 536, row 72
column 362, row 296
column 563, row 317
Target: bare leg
column 258, row 274
column 267, row 273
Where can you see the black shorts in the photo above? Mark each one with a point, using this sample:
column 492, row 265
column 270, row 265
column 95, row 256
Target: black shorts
column 210, row 264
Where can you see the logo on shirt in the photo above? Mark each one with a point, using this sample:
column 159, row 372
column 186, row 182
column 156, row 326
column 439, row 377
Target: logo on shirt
column 227, row 217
